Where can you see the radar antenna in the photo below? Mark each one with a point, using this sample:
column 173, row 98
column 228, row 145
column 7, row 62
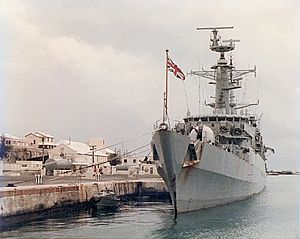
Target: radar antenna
column 213, row 28
column 224, row 75
column 215, row 46
column 231, row 41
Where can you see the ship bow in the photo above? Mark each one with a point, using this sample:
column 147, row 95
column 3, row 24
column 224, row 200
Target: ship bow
column 169, row 149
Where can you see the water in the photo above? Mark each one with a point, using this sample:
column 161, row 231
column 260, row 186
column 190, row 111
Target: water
column 272, row 214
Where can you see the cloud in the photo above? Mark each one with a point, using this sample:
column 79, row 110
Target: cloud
column 96, row 68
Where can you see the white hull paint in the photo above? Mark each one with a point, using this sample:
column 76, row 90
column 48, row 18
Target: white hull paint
column 218, row 178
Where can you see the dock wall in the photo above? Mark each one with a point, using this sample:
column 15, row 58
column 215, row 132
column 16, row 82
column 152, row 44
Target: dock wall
column 27, row 199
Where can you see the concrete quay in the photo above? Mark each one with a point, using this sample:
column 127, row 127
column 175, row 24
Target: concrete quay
column 36, row 198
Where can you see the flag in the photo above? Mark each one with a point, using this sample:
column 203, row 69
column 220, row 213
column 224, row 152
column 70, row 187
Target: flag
column 175, row 69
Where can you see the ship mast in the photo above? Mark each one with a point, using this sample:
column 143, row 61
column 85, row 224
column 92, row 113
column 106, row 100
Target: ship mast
column 223, row 74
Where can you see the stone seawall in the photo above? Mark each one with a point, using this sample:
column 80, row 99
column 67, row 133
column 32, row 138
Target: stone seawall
column 27, row 199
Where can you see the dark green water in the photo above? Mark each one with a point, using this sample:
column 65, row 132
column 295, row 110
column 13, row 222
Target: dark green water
column 272, row 214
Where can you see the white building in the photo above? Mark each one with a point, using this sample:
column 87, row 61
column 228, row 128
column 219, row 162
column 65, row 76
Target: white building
column 19, row 148
column 135, row 165
column 78, row 152
column 131, row 160
column 148, row 169
column 98, row 142
column 84, row 158
column 20, row 168
column 40, row 140
column 15, row 141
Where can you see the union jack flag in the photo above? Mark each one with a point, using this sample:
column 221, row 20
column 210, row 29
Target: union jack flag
column 175, row 69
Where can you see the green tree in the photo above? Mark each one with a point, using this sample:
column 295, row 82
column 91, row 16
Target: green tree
column 3, row 147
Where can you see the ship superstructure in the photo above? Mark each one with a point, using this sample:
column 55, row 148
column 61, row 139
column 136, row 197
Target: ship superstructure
column 213, row 159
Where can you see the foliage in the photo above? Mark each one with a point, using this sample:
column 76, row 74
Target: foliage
column 115, row 161
column 3, row 147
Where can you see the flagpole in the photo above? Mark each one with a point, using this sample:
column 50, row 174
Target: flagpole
column 166, row 90
column 188, row 113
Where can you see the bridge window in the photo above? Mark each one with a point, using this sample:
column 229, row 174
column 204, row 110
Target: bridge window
column 223, row 140
column 236, row 119
column 212, row 118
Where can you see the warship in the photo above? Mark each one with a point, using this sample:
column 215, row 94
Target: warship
column 214, row 159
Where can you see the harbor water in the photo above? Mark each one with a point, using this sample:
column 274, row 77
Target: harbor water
column 269, row 215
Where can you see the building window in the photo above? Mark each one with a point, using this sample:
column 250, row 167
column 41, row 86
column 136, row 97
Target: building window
column 125, row 160
column 24, row 165
column 134, row 161
column 34, row 141
column 151, row 170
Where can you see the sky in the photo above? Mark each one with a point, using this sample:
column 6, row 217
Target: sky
column 85, row 69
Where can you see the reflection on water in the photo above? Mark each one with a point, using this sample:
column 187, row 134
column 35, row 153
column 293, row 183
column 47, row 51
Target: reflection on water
column 220, row 222
column 272, row 214
column 57, row 219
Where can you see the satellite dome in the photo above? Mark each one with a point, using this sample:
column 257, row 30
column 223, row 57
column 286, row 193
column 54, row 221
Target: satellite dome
column 208, row 134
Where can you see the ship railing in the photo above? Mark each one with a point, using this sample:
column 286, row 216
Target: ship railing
column 160, row 124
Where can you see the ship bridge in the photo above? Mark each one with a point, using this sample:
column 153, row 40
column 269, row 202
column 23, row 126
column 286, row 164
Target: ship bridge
column 219, row 118
column 235, row 132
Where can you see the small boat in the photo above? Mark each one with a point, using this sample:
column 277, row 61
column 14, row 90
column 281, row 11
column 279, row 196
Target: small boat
column 106, row 200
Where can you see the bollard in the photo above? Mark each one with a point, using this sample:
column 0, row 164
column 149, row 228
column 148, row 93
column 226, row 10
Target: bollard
column 98, row 177
column 38, row 179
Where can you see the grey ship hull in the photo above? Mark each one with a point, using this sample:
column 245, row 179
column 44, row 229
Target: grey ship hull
column 216, row 178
